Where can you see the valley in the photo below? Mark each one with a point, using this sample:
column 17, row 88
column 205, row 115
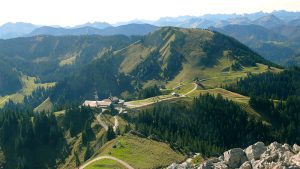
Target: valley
column 185, row 92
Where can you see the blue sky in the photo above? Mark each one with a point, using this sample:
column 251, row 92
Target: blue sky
column 73, row 12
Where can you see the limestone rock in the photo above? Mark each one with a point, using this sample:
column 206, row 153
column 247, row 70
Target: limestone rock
column 206, row 165
column 254, row 151
column 274, row 146
column 296, row 148
column 184, row 165
column 234, row 158
column 296, row 159
column 274, row 156
column 220, row 165
column 246, row 165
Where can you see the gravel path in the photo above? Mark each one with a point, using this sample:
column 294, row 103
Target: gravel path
column 106, row 157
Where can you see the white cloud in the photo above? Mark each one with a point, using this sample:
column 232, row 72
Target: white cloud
column 72, row 12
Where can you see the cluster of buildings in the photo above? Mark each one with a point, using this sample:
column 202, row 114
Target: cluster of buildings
column 105, row 104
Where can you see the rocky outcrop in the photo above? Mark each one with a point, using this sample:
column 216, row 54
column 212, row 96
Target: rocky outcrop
column 256, row 156
column 234, row 157
column 254, row 151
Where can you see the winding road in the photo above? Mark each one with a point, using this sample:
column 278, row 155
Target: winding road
column 157, row 101
column 106, row 157
column 195, row 88
column 117, row 124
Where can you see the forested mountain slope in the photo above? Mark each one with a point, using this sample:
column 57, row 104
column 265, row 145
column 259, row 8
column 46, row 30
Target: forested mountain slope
column 167, row 55
column 50, row 58
column 116, row 64
column 9, row 79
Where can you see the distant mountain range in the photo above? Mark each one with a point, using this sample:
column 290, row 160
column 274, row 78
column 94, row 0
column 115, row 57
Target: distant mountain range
column 275, row 36
column 219, row 20
column 276, row 43
column 128, row 30
column 13, row 30
column 140, row 27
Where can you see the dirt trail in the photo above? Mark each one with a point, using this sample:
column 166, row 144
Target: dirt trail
column 170, row 98
column 106, row 157
column 195, row 88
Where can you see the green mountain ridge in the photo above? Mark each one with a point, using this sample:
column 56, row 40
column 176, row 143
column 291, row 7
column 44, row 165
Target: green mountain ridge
column 49, row 56
column 195, row 63
column 168, row 55
column 278, row 44
column 116, row 64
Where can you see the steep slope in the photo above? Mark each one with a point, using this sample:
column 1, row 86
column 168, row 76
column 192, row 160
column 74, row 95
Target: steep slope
column 131, row 149
column 9, row 79
column 176, row 54
column 50, row 58
column 276, row 44
column 115, row 64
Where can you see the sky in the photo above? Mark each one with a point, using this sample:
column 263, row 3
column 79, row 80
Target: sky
column 74, row 12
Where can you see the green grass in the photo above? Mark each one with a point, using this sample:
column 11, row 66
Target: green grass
column 215, row 76
column 225, row 93
column 105, row 164
column 242, row 100
column 60, row 113
column 76, row 146
column 133, row 55
column 46, row 106
column 150, row 100
column 28, row 86
column 69, row 59
column 141, row 152
column 185, row 88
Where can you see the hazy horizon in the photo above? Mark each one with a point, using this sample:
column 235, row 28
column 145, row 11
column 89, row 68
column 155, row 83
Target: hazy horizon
column 71, row 13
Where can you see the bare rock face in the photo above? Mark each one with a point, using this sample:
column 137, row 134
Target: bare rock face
column 296, row 148
column 234, row 158
column 256, row 156
column 254, row 151
column 184, row 165
column 246, row 165
column 296, row 159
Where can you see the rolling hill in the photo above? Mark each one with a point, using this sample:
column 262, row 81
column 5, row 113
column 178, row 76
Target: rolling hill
column 49, row 57
column 155, row 135
column 116, row 64
column 166, row 57
column 176, row 54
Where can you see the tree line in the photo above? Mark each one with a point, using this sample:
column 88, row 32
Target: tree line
column 210, row 125
column 269, row 85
